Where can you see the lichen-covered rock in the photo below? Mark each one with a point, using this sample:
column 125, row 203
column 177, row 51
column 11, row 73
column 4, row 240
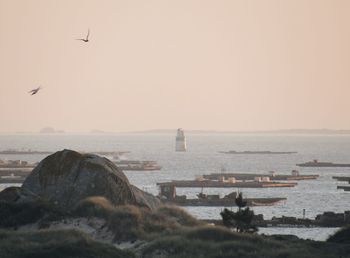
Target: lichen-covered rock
column 67, row 177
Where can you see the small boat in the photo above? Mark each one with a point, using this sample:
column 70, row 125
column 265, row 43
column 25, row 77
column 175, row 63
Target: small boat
column 137, row 165
column 215, row 200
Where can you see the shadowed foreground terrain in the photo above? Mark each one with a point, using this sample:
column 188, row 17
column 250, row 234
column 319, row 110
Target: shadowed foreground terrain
column 55, row 243
column 98, row 229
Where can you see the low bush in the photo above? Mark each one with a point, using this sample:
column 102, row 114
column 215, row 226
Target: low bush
column 242, row 219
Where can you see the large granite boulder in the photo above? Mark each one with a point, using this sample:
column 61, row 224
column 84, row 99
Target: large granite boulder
column 67, row 177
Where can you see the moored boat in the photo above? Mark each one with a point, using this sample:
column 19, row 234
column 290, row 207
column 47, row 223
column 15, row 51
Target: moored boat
column 316, row 163
column 257, row 152
column 137, row 165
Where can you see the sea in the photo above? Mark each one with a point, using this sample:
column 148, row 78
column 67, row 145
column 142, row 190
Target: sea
column 203, row 157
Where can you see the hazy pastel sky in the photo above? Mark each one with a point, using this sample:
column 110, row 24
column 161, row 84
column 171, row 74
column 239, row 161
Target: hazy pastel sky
column 223, row 65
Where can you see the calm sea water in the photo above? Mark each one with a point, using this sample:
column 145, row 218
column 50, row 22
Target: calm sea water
column 202, row 157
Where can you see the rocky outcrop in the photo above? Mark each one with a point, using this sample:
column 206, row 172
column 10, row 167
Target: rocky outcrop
column 67, row 177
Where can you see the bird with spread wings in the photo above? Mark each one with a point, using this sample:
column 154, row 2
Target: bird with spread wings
column 34, row 91
column 87, row 37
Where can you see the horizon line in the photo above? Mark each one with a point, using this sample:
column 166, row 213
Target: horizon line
column 196, row 131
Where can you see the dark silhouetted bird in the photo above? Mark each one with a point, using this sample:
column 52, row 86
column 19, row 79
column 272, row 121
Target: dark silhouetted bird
column 34, row 91
column 87, row 37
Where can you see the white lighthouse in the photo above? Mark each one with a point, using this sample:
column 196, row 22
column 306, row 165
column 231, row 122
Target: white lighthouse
column 180, row 140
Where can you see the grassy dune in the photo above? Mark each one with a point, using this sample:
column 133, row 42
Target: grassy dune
column 166, row 232
column 55, row 244
column 130, row 223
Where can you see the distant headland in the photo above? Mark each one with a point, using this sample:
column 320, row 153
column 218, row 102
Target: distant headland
column 282, row 131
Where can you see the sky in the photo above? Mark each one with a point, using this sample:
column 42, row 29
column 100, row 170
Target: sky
column 208, row 65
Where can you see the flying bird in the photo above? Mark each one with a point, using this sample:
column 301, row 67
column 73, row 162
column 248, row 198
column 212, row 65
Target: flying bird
column 87, row 37
column 34, row 91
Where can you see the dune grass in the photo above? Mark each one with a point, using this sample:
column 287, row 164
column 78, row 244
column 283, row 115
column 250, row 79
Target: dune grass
column 55, row 244
column 126, row 223
column 168, row 231
column 95, row 206
column 129, row 223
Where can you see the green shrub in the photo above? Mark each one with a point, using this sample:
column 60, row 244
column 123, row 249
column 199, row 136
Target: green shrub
column 241, row 220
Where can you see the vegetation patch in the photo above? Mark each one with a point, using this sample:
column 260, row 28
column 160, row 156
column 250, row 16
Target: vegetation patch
column 95, row 206
column 55, row 244
column 213, row 241
column 342, row 236
column 126, row 223
column 180, row 215
column 16, row 214
column 167, row 232
column 129, row 222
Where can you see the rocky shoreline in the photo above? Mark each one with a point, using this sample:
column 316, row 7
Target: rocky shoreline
column 327, row 219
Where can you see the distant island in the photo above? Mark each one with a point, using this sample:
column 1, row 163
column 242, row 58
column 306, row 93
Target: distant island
column 96, row 131
column 50, row 130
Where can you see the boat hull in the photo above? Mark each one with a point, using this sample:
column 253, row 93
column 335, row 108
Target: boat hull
column 320, row 165
column 224, row 202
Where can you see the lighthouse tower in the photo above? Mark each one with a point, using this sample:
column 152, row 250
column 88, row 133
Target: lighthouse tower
column 180, row 140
